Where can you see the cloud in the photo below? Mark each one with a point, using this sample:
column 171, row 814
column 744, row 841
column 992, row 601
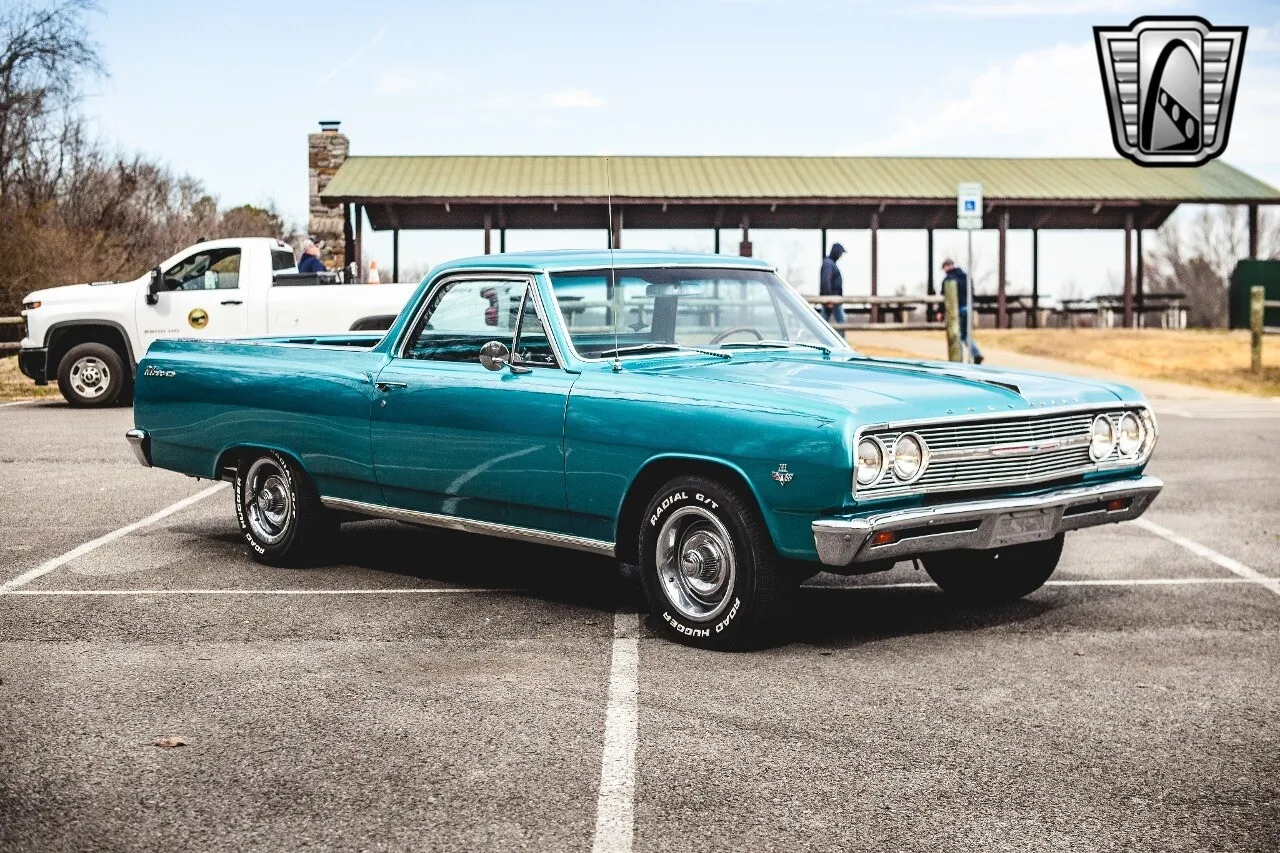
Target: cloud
column 1044, row 8
column 353, row 58
column 572, row 99
column 1046, row 102
column 404, row 81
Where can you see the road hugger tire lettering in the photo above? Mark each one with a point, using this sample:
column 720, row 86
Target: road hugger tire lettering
column 996, row 576
column 279, row 511
column 708, row 566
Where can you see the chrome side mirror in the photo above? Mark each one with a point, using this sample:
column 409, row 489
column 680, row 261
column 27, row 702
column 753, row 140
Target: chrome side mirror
column 495, row 355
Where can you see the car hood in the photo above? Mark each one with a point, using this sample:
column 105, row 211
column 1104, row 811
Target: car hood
column 892, row 389
column 79, row 292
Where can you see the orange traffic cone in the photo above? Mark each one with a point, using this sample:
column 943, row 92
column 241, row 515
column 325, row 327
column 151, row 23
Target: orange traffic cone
column 374, row 278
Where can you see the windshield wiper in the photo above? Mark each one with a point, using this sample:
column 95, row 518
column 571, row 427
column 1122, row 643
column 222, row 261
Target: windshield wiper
column 783, row 344
column 638, row 348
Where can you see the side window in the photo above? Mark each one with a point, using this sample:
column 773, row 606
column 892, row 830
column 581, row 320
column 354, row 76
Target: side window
column 464, row 316
column 212, row 269
column 532, row 347
column 282, row 259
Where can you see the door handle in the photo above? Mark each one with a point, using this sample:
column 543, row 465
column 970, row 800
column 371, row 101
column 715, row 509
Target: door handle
column 233, row 302
column 384, row 387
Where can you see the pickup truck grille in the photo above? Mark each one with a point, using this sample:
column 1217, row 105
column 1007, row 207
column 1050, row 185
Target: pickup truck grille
column 1015, row 451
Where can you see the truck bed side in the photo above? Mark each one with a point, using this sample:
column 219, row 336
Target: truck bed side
column 199, row 399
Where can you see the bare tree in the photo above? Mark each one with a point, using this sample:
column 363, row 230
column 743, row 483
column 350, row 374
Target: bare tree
column 1200, row 265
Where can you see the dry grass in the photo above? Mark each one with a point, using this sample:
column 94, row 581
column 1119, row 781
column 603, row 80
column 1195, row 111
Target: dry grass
column 15, row 386
column 1212, row 358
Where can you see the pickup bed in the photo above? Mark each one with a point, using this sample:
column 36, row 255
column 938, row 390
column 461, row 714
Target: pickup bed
column 89, row 337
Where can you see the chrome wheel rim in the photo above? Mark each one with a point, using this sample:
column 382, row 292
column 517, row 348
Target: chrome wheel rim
column 90, row 377
column 696, row 563
column 268, row 501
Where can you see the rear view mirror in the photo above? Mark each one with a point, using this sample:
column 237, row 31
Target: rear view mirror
column 155, row 286
column 495, row 355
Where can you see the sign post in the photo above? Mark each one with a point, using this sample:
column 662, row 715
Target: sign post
column 969, row 219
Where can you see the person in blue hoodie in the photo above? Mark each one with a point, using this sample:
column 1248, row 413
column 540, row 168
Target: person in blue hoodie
column 831, row 283
column 310, row 260
column 954, row 273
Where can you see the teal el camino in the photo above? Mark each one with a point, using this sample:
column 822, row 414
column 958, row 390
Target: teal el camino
column 687, row 414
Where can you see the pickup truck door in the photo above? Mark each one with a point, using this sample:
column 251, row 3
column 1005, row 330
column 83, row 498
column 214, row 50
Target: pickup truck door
column 201, row 298
column 454, row 438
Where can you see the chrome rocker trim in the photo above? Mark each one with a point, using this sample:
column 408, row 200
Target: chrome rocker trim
column 141, row 444
column 974, row 524
column 467, row 525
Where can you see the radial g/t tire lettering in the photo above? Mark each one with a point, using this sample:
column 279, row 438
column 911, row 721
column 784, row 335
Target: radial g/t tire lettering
column 709, row 569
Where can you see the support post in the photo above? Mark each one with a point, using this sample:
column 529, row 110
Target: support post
column 488, row 234
column 1257, row 306
column 502, row 240
column 717, row 241
column 930, row 311
column 744, row 248
column 951, row 301
column 875, row 265
column 348, row 239
column 1253, row 232
column 1035, row 278
column 824, row 242
column 1002, row 305
column 616, row 228
column 395, row 255
column 359, row 242
column 1128, row 271
column 1139, row 290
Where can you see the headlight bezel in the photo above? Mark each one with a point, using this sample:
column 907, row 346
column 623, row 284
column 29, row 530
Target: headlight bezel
column 1135, row 450
column 857, row 454
column 924, row 457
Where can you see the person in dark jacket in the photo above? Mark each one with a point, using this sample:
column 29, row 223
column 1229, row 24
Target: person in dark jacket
column 830, row 283
column 310, row 260
column 961, row 278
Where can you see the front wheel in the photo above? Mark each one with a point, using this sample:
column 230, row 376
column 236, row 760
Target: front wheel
column 708, row 566
column 92, row 375
column 279, row 511
column 997, row 576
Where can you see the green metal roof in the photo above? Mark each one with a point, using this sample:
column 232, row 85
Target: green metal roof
column 802, row 179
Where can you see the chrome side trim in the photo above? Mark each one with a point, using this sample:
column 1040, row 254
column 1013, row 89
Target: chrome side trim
column 467, row 525
column 141, row 444
column 975, row 524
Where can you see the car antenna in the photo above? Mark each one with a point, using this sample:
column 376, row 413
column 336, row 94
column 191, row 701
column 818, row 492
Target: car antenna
column 613, row 275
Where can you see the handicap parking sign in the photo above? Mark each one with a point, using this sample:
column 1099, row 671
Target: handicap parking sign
column 970, row 205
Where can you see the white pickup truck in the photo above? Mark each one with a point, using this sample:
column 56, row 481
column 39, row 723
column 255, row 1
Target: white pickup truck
column 90, row 337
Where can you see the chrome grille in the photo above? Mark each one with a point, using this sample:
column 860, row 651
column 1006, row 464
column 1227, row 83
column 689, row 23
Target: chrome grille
column 979, row 454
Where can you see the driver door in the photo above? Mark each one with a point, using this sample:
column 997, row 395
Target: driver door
column 453, row 438
column 201, row 298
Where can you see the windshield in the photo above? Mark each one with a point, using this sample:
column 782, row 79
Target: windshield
column 667, row 308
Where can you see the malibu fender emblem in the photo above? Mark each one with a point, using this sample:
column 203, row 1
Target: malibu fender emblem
column 152, row 370
column 782, row 475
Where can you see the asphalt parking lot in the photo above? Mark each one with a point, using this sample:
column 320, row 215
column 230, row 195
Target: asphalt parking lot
column 431, row 691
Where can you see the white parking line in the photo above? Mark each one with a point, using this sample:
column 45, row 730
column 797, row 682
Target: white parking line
column 46, row 567
column 16, row 403
column 616, row 806
column 1234, row 566
column 1082, row 582
column 148, row 592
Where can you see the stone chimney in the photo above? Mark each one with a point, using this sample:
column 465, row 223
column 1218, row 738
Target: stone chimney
column 326, row 151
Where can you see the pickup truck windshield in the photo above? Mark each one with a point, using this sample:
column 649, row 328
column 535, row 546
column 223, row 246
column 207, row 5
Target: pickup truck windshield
column 683, row 307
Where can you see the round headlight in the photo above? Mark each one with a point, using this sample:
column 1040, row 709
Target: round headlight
column 908, row 456
column 870, row 461
column 1131, row 434
column 1102, row 438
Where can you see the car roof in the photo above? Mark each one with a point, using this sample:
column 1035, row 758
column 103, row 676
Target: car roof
column 567, row 259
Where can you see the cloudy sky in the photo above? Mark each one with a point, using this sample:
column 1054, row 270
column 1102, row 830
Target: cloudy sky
column 229, row 90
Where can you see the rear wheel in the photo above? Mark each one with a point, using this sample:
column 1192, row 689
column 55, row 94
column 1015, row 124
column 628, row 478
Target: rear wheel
column 279, row 511
column 997, row 576
column 92, row 375
column 708, row 566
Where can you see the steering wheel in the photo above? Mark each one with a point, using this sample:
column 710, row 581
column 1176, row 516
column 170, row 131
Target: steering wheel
column 730, row 332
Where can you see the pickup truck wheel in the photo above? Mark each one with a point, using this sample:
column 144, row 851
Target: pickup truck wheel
column 92, row 375
column 279, row 511
column 708, row 566
column 997, row 576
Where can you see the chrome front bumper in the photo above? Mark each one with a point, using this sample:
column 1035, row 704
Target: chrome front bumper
column 141, row 444
column 991, row 523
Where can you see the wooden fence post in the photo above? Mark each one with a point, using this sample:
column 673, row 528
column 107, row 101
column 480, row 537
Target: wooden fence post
column 952, row 301
column 1256, row 307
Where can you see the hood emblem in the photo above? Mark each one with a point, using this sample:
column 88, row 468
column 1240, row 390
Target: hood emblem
column 782, row 475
